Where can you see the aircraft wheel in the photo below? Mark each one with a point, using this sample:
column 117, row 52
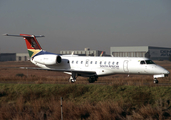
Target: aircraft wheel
column 92, row 79
column 73, row 81
column 156, row 81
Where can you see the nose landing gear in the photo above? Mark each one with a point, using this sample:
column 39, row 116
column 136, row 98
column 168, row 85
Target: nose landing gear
column 156, row 81
column 72, row 78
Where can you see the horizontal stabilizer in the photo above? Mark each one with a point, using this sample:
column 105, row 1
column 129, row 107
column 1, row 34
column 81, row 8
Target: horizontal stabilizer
column 24, row 35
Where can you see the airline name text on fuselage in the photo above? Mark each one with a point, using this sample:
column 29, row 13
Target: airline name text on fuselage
column 110, row 66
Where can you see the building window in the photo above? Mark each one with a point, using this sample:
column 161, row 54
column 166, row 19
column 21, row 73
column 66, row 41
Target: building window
column 25, row 58
column 19, row 58
column 121, row 54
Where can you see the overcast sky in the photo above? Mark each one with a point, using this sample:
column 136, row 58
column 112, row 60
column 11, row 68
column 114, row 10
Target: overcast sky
column 76, row 24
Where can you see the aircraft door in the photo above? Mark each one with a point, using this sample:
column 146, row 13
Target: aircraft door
column 87, row 63
column 125, row 66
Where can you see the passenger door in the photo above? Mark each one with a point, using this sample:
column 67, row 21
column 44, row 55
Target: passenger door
column 125, row 66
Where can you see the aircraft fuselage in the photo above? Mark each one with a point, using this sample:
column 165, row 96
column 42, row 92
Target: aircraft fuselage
column 106, row 65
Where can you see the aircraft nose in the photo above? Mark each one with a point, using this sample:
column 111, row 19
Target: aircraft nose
column 166, row 72
column 163, row 70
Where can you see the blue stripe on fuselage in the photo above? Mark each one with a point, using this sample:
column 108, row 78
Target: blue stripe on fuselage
column 44, row 52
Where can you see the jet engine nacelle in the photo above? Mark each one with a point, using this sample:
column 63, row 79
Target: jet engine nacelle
column 48, row 59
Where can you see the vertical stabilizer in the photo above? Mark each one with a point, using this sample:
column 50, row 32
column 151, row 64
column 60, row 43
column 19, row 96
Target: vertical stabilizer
column 32, row 44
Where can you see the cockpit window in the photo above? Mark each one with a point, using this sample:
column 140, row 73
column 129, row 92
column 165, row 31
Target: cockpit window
column 142, row 62
column 146, row 62
column 149, row 62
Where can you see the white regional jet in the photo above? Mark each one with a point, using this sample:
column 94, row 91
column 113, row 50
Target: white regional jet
column 87, row 66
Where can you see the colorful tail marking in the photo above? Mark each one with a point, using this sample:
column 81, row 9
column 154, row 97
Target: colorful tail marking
column 101, row 54
column 32, row 44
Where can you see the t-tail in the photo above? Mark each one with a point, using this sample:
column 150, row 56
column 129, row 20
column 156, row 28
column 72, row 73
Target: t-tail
column 32, row 44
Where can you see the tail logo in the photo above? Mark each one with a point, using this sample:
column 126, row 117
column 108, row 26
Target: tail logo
column 33, row 44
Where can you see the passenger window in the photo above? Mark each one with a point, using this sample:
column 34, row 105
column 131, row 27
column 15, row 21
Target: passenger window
column 117, row 63
column 91, row 62
column 142, row 62
column 105, row 62
column 76, row 62
column 100, row 62
column 96, row 62
column 72, row 62
column 81, row 62
column 113, row 63
column 109, row 63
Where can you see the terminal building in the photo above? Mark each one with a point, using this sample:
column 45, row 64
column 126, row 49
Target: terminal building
column 154, row 53
column 14, row 57
column 85, row 52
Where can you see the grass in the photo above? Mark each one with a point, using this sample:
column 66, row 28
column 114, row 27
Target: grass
column 42, row 101
column 35, row 95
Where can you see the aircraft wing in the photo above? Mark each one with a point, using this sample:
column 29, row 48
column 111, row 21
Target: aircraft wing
column 79, row 72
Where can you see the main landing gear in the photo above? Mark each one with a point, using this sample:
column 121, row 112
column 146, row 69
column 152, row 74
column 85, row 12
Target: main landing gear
column 92, row 79
column 72, row 78
column 156, row 81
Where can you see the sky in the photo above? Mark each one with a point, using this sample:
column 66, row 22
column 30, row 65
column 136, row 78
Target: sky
column 77, row 24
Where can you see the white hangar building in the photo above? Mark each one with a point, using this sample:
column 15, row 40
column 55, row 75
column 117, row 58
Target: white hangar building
column 85, row 52
column 154, row 53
